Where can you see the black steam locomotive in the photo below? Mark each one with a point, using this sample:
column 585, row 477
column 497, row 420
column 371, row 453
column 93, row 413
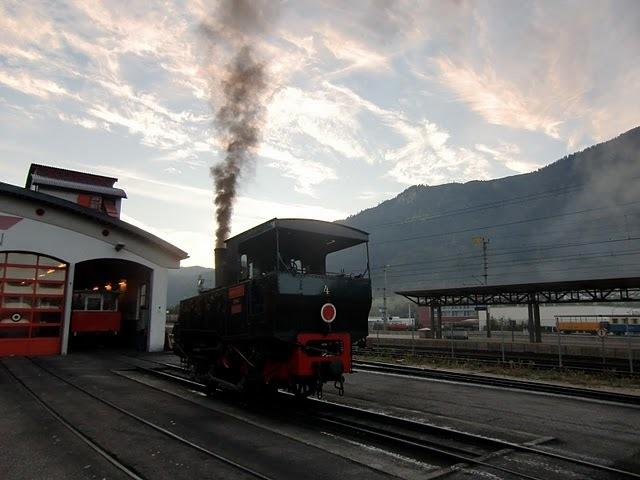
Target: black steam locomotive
column 276, row 317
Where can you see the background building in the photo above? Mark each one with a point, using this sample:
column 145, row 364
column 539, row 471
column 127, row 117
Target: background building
column 548, row 313
column 70, row 268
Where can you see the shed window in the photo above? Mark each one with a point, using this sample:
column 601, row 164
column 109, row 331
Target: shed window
column 110, row 207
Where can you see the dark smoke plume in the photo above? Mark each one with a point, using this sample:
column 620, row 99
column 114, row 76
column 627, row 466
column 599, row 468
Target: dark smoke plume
column 244, row 85
column 239, row 121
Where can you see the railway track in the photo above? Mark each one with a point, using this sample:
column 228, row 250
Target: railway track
column 611, row 366
column 110, row 456
column 430, row 373
column 419, row 440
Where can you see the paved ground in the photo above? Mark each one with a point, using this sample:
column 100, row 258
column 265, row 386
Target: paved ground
column 42, row 448
column 600, row 431
column 35, row 445
column 149, row 453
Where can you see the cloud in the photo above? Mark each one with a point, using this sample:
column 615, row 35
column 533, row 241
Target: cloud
column 17, row 54
column 497, row 100
column 319, row 115
column 351, row 53
column 25, row 83
column 428, row 158
column 508, row 154
column 140, row 72
column 305, row 173
column 82, row 58
column 83, row 122
column 155, row 130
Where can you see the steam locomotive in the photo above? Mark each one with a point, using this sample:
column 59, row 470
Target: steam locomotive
column 277, row 318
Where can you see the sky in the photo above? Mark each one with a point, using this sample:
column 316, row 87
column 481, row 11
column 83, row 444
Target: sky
column 364, row 99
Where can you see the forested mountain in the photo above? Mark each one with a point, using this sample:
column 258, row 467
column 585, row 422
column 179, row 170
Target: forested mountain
column 575, row 218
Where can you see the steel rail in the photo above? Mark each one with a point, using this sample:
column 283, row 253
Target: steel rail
column 157, row 427
column 466, row 436
column 203, row 389
column 502, row 443
column 451, row 452
column 428, row 373
column 442, row 430
column 110, row 457
column 614, row 366
column 422, row 445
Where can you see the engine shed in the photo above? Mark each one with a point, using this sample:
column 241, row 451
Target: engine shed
column 71, row 269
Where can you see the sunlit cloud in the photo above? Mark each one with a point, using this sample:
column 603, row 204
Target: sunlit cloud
column 306, row 173
column 509, row 155
column 352, row 54
column 25, row 83
column 498, row 101
column 318, row 115
column 365, row 99
column 428, row 158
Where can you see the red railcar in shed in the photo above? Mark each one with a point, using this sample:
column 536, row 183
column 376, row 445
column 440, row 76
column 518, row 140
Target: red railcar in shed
column 95, row 312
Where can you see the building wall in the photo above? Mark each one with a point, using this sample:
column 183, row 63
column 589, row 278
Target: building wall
column 72, row 247
column 449, row 315
column 465, row 311
column 90, row 228
column 548, row 312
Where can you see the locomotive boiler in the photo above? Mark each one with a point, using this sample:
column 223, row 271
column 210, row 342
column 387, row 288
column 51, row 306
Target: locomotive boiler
column 277, row 317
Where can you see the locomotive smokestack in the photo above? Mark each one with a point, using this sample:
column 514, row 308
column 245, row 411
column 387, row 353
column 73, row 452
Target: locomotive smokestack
column 221, row 266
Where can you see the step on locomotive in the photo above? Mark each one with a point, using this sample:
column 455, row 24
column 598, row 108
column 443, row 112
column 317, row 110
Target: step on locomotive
column 277, row 318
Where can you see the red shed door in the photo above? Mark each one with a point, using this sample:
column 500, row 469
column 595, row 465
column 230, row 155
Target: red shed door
column 32, row 292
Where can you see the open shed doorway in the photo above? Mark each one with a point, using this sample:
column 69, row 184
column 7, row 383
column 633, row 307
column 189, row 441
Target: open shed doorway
column 110, row 305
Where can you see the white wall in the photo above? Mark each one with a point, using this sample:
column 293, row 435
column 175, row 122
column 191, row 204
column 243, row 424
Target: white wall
column 73, row 247
column 548, row 312
column 158, row 312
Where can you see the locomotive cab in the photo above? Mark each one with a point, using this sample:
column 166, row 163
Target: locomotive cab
column 280, row 314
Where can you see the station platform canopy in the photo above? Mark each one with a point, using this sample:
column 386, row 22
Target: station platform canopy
column 574, row 291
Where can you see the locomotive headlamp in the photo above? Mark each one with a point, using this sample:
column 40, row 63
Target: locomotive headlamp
column 328, row 312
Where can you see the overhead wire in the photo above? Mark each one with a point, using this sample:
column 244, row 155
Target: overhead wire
column 509, row 252
column 509, row 264
column 505, row 224
column 407, row 268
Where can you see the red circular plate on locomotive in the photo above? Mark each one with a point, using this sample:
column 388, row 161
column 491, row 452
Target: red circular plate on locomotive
column 328, row 312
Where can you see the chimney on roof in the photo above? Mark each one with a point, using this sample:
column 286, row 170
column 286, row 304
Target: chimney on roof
column 86, row 189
